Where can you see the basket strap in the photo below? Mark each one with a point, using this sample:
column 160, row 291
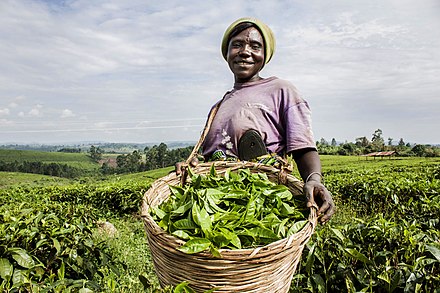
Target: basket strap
column 195, row 151
column 206, row 129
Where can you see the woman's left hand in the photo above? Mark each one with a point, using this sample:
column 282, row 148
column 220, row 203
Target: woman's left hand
column 318, row 195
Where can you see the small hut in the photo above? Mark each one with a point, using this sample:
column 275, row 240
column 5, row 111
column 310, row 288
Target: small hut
column 388, row 154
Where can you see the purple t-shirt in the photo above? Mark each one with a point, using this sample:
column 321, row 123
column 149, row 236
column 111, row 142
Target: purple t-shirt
column 271, row 106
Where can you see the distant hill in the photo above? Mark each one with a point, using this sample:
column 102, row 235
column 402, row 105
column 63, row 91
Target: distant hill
column 107, row 147
column 78, row 160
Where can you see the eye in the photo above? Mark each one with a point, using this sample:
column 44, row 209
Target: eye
column 256, row 47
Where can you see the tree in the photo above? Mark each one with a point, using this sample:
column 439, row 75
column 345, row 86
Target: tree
column 390, row 141
column 419, row 150
column 377, row 140
column 162, row 154
column 334, row 142
column 95, row 153
column 401, row 143
column 129, row 162
column 347, row 148
column 362, row 142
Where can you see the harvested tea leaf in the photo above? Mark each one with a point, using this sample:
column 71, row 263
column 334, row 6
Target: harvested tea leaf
column 241, row 209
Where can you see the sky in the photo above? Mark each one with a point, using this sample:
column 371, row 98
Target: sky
column 146, row 71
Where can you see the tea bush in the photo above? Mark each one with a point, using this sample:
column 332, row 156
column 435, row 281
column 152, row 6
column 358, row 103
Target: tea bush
column 50, row 248
column 383, row 238
column 389, row 240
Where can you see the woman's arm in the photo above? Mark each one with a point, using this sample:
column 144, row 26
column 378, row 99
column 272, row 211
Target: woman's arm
column 309, row 167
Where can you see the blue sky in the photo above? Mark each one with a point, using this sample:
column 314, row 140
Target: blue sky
column 149, row 71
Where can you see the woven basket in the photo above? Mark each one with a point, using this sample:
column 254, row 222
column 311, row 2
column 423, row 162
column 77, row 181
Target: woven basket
column 265, row 269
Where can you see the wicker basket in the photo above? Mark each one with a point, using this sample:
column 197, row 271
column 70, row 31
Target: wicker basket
column 264, row 269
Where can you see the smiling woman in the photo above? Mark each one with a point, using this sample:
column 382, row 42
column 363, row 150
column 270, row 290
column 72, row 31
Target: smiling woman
column 263, row 117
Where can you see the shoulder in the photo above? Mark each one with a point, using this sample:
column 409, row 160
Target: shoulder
column 282, row 83
column 286, row 88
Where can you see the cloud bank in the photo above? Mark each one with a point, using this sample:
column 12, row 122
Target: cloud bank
column 137, row 71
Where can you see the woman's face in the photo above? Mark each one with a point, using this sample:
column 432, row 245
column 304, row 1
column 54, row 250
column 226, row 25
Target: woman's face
column 246, row 55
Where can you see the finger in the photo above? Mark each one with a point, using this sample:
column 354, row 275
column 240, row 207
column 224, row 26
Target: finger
column 194, row 162
column 324, row 207
column 177, row 168
column 328, row 214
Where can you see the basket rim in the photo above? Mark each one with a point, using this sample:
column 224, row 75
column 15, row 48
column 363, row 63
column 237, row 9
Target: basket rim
column 153, row 227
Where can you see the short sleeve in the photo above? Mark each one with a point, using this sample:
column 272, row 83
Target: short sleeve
column 298, row 121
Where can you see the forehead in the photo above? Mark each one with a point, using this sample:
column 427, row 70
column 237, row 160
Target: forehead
column 250, row 34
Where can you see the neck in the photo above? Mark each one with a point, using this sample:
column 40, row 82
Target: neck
column 254, row 78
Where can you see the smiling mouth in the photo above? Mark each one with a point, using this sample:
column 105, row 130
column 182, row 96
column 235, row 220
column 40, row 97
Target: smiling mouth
column 244, row 63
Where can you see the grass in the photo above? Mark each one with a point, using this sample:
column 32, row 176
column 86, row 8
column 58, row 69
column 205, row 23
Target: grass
column 131, row 248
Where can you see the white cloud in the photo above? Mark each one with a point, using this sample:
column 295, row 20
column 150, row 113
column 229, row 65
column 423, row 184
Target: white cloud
column 36, row 111
column 66, row 113
column 4, row 111
column 6, row 122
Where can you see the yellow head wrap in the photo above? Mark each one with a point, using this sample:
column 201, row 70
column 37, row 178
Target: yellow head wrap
column 268, row 37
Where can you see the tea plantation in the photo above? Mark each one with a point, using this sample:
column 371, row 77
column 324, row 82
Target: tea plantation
column 385, row 236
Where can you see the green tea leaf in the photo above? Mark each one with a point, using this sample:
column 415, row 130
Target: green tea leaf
column 18, row 277
column 286, row 209
column 184, row 224
column 61, row 271
column 195, row 245
column 183, row 288
column 296, row 227
column 181, row 234
column 310, row 259
column 22, row 257
column 259, row 232
column 214, row 251
column 319, row 281
column 57, row 245
column 212, row 171
column 205, row 221
column 435, row 250
column 177, row 190
column 159, row 213
column 182, row 209
column 5, row 268
column 338, row 234
column 357, row 255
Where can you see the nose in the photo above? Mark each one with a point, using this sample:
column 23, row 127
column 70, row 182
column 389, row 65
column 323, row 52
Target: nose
column 244, row 50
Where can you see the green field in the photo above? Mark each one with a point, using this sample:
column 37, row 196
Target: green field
column 385, row 236
column 10, row 179
column 78, row 160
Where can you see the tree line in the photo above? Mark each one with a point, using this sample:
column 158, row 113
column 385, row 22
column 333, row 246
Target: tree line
column 51, row 169
column 151, row 158
column 363, row 146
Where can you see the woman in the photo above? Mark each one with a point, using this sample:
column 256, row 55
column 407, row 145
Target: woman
column 264, row 115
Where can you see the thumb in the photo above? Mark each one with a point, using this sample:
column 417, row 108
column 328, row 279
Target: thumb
column 308, row 191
